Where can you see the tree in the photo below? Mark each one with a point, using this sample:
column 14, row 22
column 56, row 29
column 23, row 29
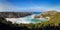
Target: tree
column 3, row 20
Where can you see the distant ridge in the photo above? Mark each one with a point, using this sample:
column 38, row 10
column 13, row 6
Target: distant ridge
column 14, row 14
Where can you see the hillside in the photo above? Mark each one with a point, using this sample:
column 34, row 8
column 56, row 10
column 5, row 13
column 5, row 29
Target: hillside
column 54, row 17
column 14, row 14
column 54, row 21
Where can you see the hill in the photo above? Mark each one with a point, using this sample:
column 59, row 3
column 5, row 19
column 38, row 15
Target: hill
column 14, row 14
column 54, row 21
column 54, row 17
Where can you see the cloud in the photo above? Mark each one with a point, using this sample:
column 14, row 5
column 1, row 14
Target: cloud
column 4, row 7
column 8, row 7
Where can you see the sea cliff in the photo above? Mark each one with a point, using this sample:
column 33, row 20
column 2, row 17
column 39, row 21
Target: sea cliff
column 14, row 14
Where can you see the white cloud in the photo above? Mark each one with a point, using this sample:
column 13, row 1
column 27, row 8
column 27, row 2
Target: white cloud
column 6, row 6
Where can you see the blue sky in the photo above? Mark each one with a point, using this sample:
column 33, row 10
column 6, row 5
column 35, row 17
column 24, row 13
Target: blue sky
column 29, row 5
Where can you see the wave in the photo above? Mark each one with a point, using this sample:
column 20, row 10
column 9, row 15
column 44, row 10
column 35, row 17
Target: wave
column 26, row 20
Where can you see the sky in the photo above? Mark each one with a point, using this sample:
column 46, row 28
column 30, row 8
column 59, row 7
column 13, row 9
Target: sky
column 29, row 5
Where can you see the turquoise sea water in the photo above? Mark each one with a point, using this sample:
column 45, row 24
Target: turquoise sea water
column 31, row 19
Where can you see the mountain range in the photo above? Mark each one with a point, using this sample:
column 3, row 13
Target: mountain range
column 14, row 14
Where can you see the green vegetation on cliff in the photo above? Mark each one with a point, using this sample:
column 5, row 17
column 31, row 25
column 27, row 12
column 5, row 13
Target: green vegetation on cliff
column 54, row 20
column 54, row 17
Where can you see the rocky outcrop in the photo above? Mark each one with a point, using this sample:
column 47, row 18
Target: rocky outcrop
column 39, row 16
column 14, row 14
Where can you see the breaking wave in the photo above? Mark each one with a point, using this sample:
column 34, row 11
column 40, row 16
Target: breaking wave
column 26, row 20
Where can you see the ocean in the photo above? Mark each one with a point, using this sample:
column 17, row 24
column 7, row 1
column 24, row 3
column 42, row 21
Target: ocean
column 28, row 19
column 37, row 12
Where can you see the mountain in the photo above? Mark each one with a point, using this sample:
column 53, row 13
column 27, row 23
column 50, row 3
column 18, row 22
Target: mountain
column 14, row 14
